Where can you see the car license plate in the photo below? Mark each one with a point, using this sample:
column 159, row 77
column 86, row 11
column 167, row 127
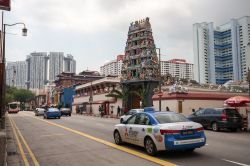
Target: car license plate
column 187, row 132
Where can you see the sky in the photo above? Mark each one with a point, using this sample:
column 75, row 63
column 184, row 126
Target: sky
column 95, row 31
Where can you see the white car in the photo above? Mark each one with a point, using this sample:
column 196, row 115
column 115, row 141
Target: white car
column 130, row 113
column 157, row 131
column 39, row 111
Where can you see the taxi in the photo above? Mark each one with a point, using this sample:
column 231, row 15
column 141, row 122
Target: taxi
column 158, row 131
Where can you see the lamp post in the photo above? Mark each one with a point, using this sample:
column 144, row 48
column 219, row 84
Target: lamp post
column 160, row 93
column 2, row 73
column 248, row 79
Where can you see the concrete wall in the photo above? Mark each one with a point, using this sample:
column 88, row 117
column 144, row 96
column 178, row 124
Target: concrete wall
column 187, row 105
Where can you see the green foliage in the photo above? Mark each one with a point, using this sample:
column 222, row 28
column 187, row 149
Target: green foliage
column 141, row 93
column 21, row 95
column 123, row 94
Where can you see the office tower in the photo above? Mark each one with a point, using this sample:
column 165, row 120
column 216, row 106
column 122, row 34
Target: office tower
column 37, row 70
column 221, row 53
column 16, row 74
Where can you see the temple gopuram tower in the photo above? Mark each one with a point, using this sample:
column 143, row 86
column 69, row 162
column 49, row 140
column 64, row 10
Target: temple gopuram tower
column 140, row 70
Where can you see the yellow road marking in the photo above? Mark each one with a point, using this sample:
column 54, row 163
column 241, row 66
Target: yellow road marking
column 26, row 145
column 124, row 149
column 26, row 163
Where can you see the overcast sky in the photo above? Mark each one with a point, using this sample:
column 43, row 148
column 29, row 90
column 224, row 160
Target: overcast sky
column 95, row 31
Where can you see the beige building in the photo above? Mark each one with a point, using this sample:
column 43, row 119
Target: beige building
column 91, row 95
column 186, row 102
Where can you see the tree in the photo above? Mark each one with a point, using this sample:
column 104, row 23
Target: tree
column 123, row 94
column 141, row 93
column 23, row 95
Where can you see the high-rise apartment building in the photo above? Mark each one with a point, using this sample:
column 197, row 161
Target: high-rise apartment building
column 113, row 67
column 221, row 53
column 16, row 74
column 43, row 67
column 37, row 70
column 177, row 68
column 55, row 64
column 69, row 64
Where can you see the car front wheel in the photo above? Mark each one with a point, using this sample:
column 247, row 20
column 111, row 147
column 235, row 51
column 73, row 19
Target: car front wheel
column 150, row 146
column 117, row 137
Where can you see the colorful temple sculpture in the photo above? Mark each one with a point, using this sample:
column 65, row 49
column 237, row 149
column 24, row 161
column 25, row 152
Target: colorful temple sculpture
column 140, row 70
column 141, row 62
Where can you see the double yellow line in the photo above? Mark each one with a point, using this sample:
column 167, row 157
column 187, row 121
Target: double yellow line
column 19, row 136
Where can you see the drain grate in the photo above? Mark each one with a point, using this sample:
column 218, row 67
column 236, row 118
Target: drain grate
column 11, row 153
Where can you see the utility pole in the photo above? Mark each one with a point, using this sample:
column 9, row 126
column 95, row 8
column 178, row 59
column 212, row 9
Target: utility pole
column 248, row 79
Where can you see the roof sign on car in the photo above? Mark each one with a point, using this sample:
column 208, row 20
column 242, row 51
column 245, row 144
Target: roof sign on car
column 149, row 109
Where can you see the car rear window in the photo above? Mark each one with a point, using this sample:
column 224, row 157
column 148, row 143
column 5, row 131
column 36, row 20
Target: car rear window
column 231, row 112
column 170, row 118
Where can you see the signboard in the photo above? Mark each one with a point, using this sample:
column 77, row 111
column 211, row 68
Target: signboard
column 5, row 5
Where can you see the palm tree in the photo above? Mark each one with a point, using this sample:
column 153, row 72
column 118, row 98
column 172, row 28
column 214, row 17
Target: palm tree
column 123, row 94
column 142, row 93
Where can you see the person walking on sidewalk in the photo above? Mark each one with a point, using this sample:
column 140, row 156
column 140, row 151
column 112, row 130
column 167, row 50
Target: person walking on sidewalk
column 102, row 111
column 118, row 111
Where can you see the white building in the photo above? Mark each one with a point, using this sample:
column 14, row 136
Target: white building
column 177, row 68
column 91, row 95
column 113, row 67
column 36, row 70
column 221, row 53
column 16, row 74
column 55, row 64
column 69, row 64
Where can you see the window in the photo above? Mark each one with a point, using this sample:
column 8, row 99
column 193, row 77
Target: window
column 144, row 119
column 170, row 118
column 209, row 111
column 131, row 120
column 200, row 112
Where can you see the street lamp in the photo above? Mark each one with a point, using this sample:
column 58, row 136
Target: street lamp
column 160, row 93
column 248, row 79
column 2, row 74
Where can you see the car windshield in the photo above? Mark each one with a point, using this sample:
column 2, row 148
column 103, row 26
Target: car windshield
column 170, row 118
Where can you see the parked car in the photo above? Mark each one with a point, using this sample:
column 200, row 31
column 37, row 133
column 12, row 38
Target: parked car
column 157, row 131
column 129, row 113
column 39, row 111
column 52, row 113
column 218, row 118
column 65, row 111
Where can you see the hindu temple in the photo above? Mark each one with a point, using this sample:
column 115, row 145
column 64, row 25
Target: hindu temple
column 140, row 70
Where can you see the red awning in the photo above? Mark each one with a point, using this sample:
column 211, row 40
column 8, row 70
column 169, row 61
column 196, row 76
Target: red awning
column 237, row 101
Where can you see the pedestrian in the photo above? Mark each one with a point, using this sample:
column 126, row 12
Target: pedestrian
column 118, row 111
column 102, row 111
column 167, row 109
column 99, row 109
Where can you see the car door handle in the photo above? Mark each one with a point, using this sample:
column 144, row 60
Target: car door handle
column 143, row 129
column 130, row 128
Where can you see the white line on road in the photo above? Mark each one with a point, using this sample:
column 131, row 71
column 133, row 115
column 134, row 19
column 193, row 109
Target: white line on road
column 51, row 135
column 236, row 162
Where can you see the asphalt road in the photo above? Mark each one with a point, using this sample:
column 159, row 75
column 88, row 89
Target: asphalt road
column 86, row 140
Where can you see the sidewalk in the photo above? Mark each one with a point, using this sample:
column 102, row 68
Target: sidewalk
column 13, row 155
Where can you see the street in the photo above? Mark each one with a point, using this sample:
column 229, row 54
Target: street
column 87, row 140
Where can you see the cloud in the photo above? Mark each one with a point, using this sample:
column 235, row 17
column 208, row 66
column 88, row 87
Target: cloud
column 96, row 30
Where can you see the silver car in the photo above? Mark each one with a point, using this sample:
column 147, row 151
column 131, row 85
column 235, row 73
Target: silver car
column 130, row 113
column 39, row 111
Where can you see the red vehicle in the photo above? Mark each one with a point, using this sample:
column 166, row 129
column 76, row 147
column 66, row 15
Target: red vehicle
column 13, row 107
